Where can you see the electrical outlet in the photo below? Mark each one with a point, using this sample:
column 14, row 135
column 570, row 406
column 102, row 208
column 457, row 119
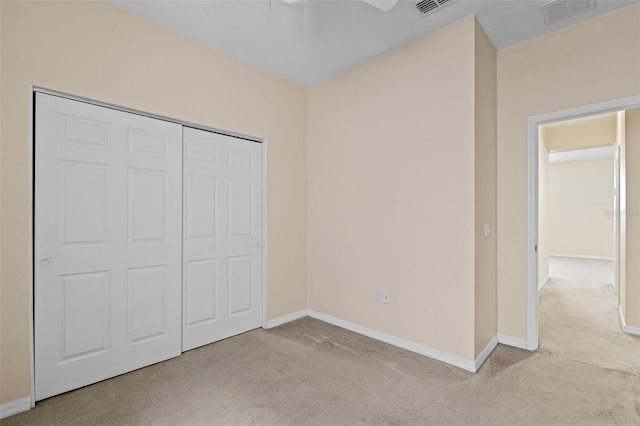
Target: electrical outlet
column 385, row 297
column 380, row 298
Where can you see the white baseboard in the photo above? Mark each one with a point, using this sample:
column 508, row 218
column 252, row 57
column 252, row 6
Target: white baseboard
column 285, row 319
column 455, row 360
column 543, row 283
column 512, row 341
column 15, row 407
column 486, row 352
column 581, row 256
column 627, row 328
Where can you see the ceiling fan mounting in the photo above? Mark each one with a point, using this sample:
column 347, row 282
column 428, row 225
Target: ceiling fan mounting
column 384, row 5
column 294, row 16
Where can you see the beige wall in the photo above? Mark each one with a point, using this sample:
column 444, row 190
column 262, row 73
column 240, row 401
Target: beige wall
column 1, row 316
column 398, row 185
column 632, row 208
column 543, row 210
column 391, row 192
column 100, row 51
column 590, row 62
column 486, row 321
column 402, row 179
column 587, row 132
column 580, row 206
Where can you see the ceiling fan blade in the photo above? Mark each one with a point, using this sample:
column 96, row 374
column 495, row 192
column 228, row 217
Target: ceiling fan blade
column 384, row 5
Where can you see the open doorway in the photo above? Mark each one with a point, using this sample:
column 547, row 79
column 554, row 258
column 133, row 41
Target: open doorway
column 576, row 229
column 580, row 253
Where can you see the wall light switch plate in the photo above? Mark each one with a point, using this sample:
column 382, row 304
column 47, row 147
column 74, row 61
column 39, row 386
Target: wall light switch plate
column 487, row 230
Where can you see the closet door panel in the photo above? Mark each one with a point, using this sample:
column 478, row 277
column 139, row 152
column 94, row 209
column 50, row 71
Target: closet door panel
column 222, row 268
column 107, row 272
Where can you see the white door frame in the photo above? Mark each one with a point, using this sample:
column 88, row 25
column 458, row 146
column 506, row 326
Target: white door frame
column 616, row 220
column 532, row 195
column 36, row 89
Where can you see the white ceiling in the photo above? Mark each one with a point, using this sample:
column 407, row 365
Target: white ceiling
column 325, row 37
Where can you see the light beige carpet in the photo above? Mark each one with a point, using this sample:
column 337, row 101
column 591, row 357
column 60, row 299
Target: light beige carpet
column 311, row 373
column 578, row 317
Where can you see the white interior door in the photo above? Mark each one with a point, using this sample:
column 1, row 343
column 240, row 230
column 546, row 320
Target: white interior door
column 222, row 253
column 107, row 243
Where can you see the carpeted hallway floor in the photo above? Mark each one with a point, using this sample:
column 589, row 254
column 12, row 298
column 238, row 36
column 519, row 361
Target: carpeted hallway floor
column 309, row 372
column 578, row 317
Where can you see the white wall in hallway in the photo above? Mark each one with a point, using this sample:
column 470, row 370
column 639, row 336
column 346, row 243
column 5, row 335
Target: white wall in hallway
column 580, row 208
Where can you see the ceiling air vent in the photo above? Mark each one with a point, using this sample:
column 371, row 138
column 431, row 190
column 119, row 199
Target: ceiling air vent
column 427, row 6
column 557, row 10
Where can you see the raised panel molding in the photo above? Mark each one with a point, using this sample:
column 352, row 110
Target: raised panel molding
column 147, row 211
column 201, row 288
column 84, row 203
column 198, row 151
column 237, row 158
column 240, row 284
column 240, row 205
column 84, row 301
column 84, row 132
column 146, row 303
column 150, row 144
column 201, row 206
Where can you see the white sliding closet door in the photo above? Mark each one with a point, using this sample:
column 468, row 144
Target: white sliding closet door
column 222, row 271
column 107, row 243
